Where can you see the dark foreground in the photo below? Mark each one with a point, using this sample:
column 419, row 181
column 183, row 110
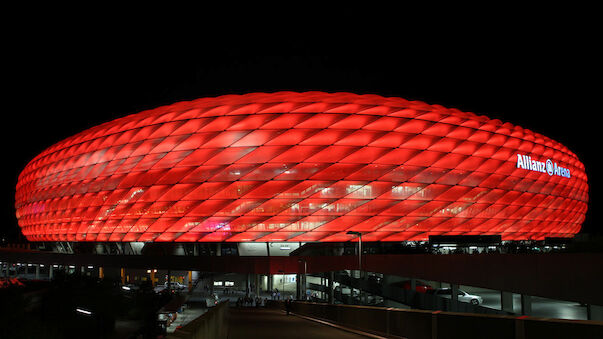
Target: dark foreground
column 268, row 323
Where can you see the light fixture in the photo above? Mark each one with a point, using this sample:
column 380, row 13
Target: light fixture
column 83, row 311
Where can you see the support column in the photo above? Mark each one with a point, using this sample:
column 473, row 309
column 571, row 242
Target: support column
column 363, row 283
column 454, row 296
column 37, row 271
column 257, row 285
column 594, row 312
column 190, row 281
column 413, row 284
column 526, row 305
column 506, row 301
column 331, row 289
column 211, row 284
column 304, row 289
column 322, row 285
column 122, row 275
column 50, row 271
column 152, row 276
column 298, row 288
column 270, row 283
column 101, row 273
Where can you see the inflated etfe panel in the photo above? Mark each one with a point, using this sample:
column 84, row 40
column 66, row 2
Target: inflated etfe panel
column 301, row 167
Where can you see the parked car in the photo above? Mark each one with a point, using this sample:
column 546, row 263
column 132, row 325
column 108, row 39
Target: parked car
column 421, row 286
column 159, row 288
column 374, row 279
column 374, row 300
column 211, row 300
column 176, row 286
column 10, row 282
column 462, row 296
column 343, row 290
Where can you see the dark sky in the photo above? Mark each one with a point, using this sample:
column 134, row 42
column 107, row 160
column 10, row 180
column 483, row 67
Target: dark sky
column 546, row 79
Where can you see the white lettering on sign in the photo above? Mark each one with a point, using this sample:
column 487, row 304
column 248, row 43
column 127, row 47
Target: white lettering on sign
column 551, row 168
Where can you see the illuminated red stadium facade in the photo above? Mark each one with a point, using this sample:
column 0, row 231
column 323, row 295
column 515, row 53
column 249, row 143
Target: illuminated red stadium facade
column 301, row 167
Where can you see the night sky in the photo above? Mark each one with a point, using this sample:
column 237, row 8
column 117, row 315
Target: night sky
column 546, row 79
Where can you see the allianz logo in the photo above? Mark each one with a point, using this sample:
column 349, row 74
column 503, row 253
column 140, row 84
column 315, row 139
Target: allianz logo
column 549, row 167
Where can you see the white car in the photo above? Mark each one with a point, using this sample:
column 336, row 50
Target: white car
column 462, row 295
column 176, row 286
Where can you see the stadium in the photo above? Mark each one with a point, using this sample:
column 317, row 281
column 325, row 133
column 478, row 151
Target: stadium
column 301, row 167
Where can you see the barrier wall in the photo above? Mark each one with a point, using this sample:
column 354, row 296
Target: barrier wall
column 211, row 324
column 420, row 324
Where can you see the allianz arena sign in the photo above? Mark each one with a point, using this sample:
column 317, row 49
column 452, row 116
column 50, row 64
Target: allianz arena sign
column 551, row 168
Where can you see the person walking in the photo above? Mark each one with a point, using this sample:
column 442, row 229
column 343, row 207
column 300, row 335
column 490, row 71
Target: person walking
column 288, row 306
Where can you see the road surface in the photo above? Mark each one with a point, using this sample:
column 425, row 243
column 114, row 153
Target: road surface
column 250, row 322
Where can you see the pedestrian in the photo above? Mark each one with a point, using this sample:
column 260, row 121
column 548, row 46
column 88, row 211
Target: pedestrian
column 288, row 305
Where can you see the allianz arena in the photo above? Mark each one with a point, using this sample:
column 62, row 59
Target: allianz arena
column 301, row 167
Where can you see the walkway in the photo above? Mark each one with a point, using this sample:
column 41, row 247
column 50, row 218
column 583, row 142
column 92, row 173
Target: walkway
column 267, row 323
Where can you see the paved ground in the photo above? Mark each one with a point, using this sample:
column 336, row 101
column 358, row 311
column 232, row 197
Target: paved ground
column 541, row 307
column 265, row 323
